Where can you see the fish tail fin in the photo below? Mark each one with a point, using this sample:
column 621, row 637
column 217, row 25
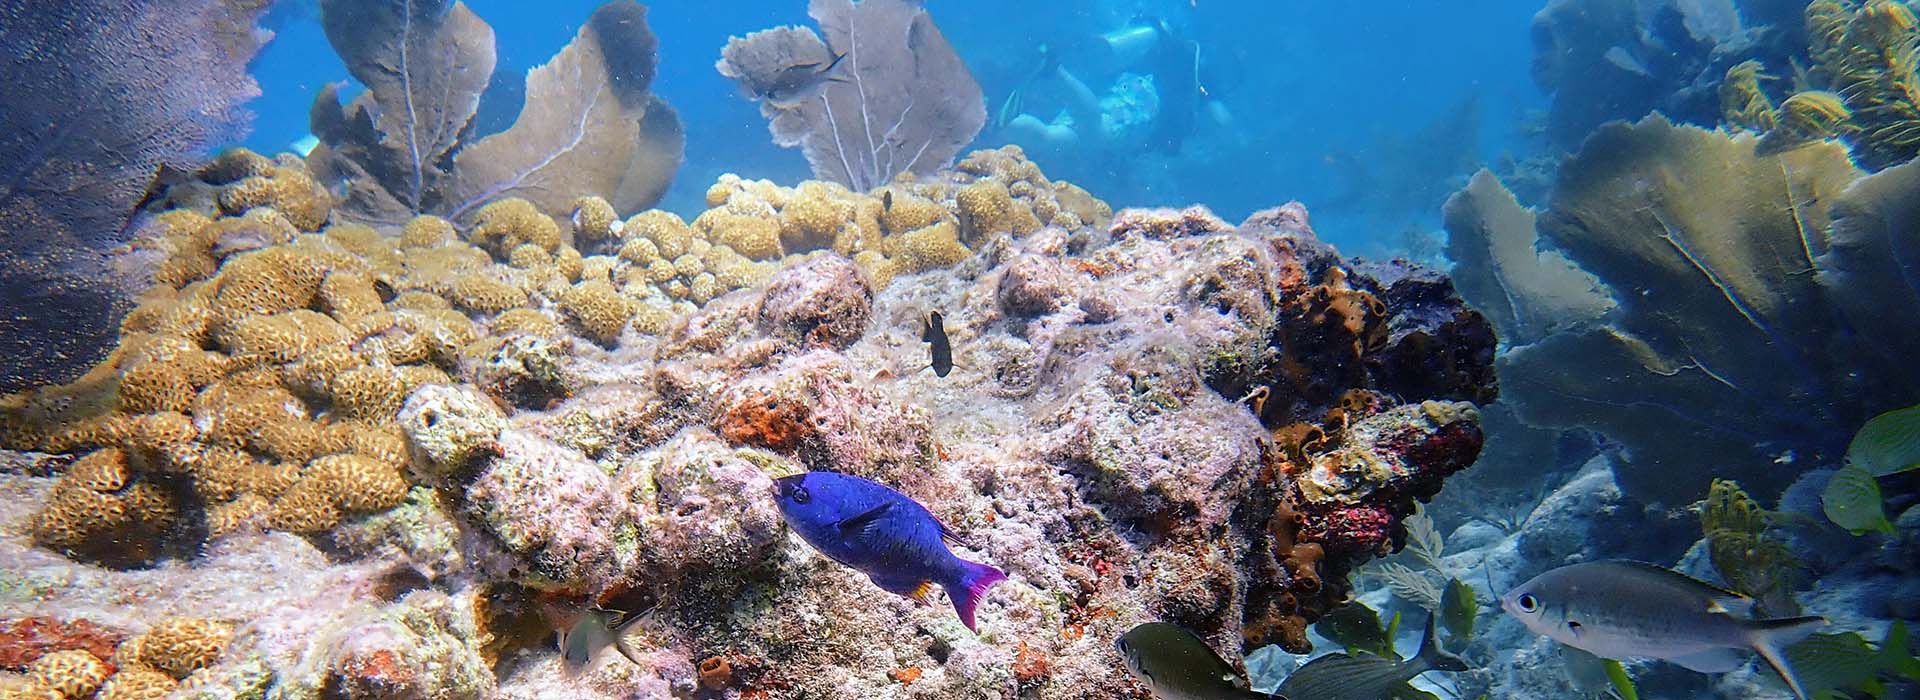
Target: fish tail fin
column 969, row 587
column 1771, row 639
column 624, row 632
column 1434, row 657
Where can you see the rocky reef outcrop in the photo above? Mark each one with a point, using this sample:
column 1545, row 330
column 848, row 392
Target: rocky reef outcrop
column 443, row 442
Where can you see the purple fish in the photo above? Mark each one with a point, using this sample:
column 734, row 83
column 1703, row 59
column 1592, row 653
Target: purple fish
column 883, row 534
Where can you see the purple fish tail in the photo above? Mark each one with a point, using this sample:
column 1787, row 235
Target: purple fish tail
column 969, row 587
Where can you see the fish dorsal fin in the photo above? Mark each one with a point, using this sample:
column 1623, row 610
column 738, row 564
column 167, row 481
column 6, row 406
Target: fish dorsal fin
column 1719, row 600
column 861, row 522
column 625, row 630
column 952, row 537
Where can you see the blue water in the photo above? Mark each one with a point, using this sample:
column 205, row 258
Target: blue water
column 1330, row 100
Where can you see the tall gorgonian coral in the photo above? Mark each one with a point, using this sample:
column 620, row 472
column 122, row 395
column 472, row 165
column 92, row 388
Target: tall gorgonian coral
column 1760, row 303
column 902, row 102
column 404, row 147
column 159, row 83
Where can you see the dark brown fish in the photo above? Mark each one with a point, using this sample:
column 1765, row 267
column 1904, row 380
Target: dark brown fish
column 936, row 337
column 799, row 82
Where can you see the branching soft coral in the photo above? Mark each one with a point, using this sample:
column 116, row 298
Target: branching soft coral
column 1722, row 341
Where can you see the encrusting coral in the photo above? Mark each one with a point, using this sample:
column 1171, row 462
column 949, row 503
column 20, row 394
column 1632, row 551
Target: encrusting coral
column 1154, row 414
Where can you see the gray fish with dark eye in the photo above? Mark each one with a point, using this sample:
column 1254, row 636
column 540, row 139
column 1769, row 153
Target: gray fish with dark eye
column 1176, row 665
column 799, row 82
column 1342, row 676
column 583, row 646
column 1616, row 609
column 936, row 337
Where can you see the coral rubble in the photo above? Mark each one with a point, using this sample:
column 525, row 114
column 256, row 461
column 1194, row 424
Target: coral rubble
column 444, row 439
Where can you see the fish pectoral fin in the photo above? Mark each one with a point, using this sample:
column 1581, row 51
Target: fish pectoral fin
column 1719, row 660
column 864, row 520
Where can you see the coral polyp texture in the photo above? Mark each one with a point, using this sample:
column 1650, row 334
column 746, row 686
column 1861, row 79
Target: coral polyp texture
column 426, row 447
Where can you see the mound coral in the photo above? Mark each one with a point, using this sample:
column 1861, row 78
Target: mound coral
column 1717, row 340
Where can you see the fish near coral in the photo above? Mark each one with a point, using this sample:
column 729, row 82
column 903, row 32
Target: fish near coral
column 1176, row 665
column 799, row 82
column 935, row 336
column 884, row 534
column 583, row 646
column 1341, row 676
column 1615, row 609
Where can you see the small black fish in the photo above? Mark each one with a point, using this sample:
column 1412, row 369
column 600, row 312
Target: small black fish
column 799, row 82
column 936, row 336
column 886, row 200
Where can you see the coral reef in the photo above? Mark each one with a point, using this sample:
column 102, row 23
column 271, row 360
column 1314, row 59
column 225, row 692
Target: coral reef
column 430, row 447
column 159, row 83
column 403, row 144
column 906, row 106
column 1719, row 341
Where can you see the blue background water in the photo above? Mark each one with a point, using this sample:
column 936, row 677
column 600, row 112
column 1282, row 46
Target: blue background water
column 1368, row 112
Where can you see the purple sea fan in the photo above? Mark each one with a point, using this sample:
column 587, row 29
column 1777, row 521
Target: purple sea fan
column 100, row 94
column 901, row 102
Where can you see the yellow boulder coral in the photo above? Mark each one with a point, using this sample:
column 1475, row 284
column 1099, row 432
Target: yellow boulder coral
column 927, row 248
column 426, row 231
column 74, row 673
column 358, row 483
column 179, row 646
column 370, row 393
column 597, row 310
column 288, row 190
column 137, row 682
column 986, row 207
column 506, row 224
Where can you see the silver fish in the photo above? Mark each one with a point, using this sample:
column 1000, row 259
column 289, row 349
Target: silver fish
column 1617, row 609
column 799, row 82
column 1176, row 665
column 1341, row 676
column 583, row 646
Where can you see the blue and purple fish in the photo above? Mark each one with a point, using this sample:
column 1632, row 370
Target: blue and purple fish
column 883, row 534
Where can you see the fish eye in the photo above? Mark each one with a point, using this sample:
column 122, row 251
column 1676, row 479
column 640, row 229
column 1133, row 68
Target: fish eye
column 1123, row 646
column 800, row 495
column 1528, row 603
